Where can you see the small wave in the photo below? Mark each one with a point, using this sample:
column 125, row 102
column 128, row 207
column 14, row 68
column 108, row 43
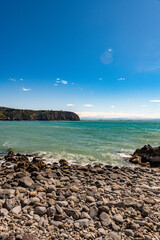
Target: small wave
column 51, row 157
column 5, row 144
column 124, row 155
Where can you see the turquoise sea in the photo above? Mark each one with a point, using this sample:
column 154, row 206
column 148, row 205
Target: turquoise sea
column 109, row 142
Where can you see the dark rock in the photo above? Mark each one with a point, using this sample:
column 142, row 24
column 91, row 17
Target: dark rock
column 40, row 210
column 147, row 156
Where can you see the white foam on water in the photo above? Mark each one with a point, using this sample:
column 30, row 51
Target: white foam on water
column 51, row 157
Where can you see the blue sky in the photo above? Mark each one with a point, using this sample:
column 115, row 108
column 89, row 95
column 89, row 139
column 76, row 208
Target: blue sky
column 99, row 58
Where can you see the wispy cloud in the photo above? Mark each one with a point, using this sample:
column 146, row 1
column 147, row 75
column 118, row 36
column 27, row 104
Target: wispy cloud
column 55, row 84
column 153, row 67
column 121, row 79
column 143, row 106
column 26, row 89
column 88, row 105
column 112, row 106
column 64, row 82
column 107, row 56
column 70, row 105
column 155, row 101
column 113, row 115
column 100, row 79
column 21, row 79
column 12, row 79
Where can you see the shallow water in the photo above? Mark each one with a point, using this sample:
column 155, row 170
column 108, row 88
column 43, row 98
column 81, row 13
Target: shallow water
column 82, row 142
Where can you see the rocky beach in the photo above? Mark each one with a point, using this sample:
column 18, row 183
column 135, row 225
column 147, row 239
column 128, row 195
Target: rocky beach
column 62, row 201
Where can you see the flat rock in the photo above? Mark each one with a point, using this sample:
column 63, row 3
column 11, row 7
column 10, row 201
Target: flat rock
column 16, row 210
column 112, row 236
column 26, row 181
column 83, row 222
column 40, row 210
column 105, row 219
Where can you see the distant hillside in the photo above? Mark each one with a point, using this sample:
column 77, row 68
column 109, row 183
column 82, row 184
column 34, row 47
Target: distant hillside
column 12, row 114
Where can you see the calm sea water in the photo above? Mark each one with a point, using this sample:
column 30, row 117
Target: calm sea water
column 80, row 142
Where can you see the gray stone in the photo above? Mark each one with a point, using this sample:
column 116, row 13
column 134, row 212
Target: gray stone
column 118, row 218
column 129, row 232
column 93, row 212
column 103, row 209
column 85, row 215
column 4, row 236
column 10, row 203
column 102, row 231
column 36, row 217
column 3, row 212
column 7, row 193
column 90, row 199
column 83, row 222
column 73, row 213
column 16, row 210
column 51, row 211
column 51, row 188
column 73, row 198
column 40, row 210
column 34, row 200
column 105, row 219
column 59, row 209
column 57, row 223
column 26, row 181
column 115, row 227
column 112, row 236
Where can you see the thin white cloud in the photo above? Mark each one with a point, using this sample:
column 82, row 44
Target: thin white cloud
column 156, row 101
column 58, row 79
column 112, row 106
column 64, row 82
column 88, row 105
column 100, row 79
column 70, row 105
column 21, row 79
column 110, row 50
column 26, row 89
column 143, row 106
column 113, row 115
column 149, row 68
column 55, row 84
column 12, row 79
column 121, row 79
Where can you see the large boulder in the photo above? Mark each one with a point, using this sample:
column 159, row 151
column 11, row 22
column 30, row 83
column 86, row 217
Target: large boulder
column 146, row 156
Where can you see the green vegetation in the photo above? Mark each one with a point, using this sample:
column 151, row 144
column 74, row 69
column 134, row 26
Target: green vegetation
column 32, row 115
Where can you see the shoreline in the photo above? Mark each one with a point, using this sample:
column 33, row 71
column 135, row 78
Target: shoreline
column 62, row 201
